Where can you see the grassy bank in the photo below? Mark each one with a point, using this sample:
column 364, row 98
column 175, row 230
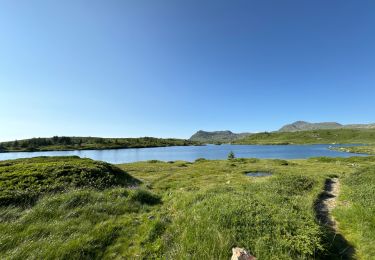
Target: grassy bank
column 366, row 149
column 343, row 136
column 64, row 143
column 174, row 210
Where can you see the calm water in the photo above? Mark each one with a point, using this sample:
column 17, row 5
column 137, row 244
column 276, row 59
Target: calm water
column 258, row 174
column 190, row 153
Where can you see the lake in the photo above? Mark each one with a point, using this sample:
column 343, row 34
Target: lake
column 191, row 153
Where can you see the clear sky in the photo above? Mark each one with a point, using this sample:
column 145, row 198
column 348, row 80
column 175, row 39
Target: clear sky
column 161, row 68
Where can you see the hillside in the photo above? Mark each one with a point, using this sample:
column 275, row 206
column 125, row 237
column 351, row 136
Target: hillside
column 312, row 137
column 216, row 136
column 305, row 126
column 58, row 143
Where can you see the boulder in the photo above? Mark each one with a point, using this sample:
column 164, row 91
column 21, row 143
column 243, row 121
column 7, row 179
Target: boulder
column 241, row 254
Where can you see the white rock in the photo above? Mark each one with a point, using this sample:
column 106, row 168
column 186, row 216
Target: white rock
column 241, row 254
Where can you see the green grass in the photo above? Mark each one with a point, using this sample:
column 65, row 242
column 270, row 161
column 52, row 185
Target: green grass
column 64, row 143
column 343, row 136
column 71, row 208
column 181, row 210
column 366, row 149
column 24, row 180
column 80, row 224
column 356, row 211
column 213, row 206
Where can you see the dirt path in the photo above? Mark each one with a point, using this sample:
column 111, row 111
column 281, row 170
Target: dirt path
column 327, row 201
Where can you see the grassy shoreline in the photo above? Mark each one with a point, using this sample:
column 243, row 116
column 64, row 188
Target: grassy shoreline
column 365, row 149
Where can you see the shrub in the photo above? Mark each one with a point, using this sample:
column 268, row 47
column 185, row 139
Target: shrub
column 231, row 155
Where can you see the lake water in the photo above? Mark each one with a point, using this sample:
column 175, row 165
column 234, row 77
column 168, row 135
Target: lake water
column 190, row 153
column 258, row 174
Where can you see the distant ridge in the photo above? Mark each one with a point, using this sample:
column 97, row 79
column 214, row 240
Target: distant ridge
column 306, row 126
column 216, row 136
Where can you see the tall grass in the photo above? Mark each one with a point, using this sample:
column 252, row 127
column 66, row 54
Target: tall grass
column 81, row 224
column 270, row 219
column 356, row 211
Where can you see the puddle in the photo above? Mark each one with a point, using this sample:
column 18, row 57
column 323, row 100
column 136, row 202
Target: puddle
column 258, row 174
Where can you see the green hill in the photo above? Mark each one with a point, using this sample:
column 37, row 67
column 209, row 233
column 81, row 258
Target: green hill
column 23, row 181
column 304, row 126
column 68, row 208
column 312, row 137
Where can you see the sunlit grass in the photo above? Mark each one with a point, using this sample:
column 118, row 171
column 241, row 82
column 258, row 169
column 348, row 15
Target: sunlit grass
column 356, row 211
column 179, row 210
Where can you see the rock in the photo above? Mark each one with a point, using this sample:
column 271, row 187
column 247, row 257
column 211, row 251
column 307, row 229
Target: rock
column 241, row 254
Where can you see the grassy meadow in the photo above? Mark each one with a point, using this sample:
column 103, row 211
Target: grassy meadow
column 323, row 136
column 71, row 208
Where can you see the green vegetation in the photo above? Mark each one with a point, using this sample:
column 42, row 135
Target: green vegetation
column 220, row 137
column 22, row 181
column 342, row 136
column 231, row 155
column 179, row 210
column 64, row 143
column 216, row 137
column 83, row 208
column 305, row 126
column 366, row 149
column 356, row 211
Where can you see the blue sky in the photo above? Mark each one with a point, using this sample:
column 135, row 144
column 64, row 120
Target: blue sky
column 169, row 68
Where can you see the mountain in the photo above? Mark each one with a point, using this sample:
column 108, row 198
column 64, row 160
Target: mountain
column 306, row 126
column 216, row 136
